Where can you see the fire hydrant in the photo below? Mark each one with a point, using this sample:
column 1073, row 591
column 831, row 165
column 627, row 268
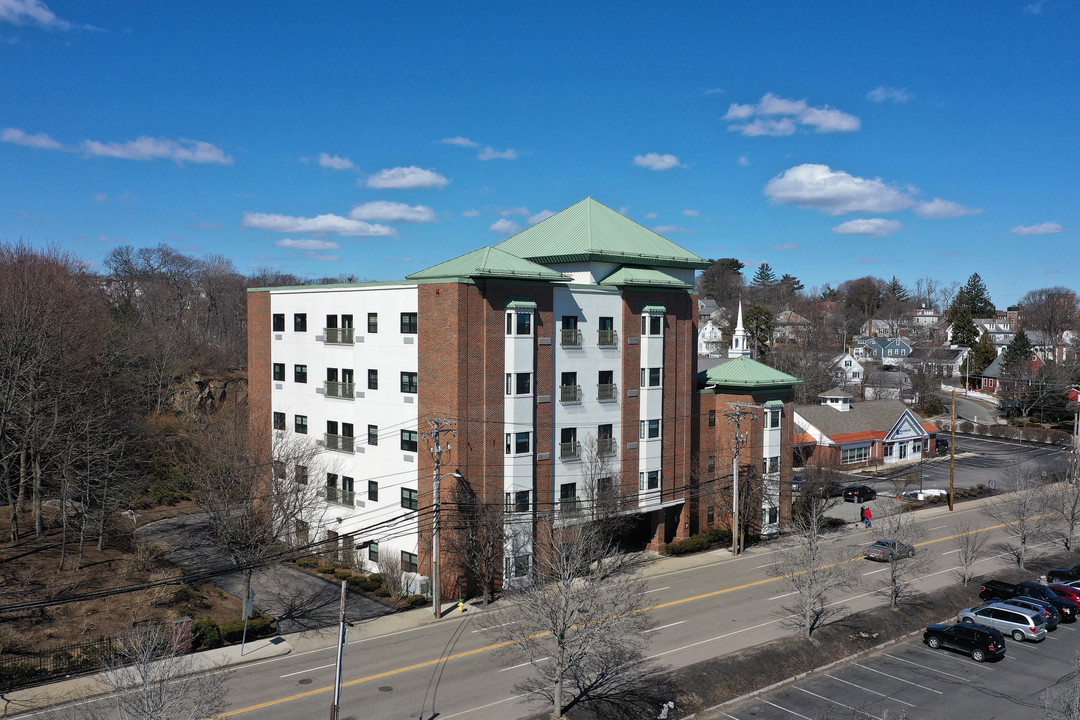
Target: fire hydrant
column 461, row 605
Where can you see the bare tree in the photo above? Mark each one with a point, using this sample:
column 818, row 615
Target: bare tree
column 1050, row 311
column 1021, row 509
column 812, row 564
column 969, row 544
column 1062, row 700
column 891, row 523
column 475, row 540
column 392, row 579
column 579, row 620
column 1064, row 499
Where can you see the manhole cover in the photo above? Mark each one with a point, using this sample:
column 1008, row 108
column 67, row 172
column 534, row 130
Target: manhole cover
column 305, row 681
column 385, row 688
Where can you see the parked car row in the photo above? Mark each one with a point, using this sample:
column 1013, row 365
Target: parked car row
column 1024, row 611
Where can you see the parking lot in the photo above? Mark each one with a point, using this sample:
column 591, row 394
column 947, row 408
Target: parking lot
column 910, row 677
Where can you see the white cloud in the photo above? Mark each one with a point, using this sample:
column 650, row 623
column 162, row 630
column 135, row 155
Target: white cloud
column 400, row 259
column 462, row 141
column 881, row 94
column 505, row 227
column 522, row 211
column 384, row 211
column 1034, row 8
column 307, row 244
column 540, row 216
column 121, row 199
column 31, row 12
column 471, row 213
column 107, row 239
column 623, row 209
column 671, row 229
column 743, row 160
column 148, row 148
column 871, row 227
column 335, row 162
column 407, row 178
column 101, row 198
column 651, row 216
column 796, row 113
column 785, row 246
column 323, row 257
column 1046, row 228
column 317, row 224
column 490, row 153
column 835, row 192
column 691, row 213
column 656, row 161
column 938, row 209
column 18, row 137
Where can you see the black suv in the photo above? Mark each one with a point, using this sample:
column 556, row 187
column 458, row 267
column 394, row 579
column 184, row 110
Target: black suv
column 978, row 641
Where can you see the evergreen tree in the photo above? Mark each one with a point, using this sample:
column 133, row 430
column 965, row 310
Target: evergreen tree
column 964, row 331
column 975, row 297
column 897, row 289
column 1017, row 355
column 981, row 355
column 830, row 294
column 764, row 277
column 758, row 325
column 722, row 281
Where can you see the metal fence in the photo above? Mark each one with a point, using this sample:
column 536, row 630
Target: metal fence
column 20, row 670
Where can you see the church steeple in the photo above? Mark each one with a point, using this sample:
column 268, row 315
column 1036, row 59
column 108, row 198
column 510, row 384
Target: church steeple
column 740, row 340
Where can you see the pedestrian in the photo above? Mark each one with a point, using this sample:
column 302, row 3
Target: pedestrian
column 868, row 516
column 862, row 515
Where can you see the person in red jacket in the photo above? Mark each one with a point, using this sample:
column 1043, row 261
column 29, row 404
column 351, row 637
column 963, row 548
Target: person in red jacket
column 868, row 516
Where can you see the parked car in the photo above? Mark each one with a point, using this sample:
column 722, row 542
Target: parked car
column 942, row 444
column 1021, row 623
column 998, row 590
column 1048, row 611
column 1073, row 593
column 976, row 640
column 827, row 490
column 1064, row 574
column 888, row 550
column 859, row 493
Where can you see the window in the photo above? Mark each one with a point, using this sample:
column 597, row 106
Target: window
column 854, row 455
column 279, row 421
column 568, row 445
column 331, row 322
column 518, row 501
column 518, row 323
column 373, row 322
column 300, row 373
column 517, row 566
column 372, row 434
column 279, row 322
column 605, row 385
column 301, row 474
column 649, row 480
column 300, row 322
column 712, row 418
column 650, row 429
column 279, row 469
column 888, row 450
column 569, row 390
column 606, row 334
column 300, row 424
column 773, row 515
column 710, row 515
column 568, row 501
column 279, row 372
column 372, row 491
column 373, row 552
column 774, row 419
column 408, row 382
column 409, row 440
column 605, row 439
column 650, row 377
column 712, row 463
column 409, row 562
column 518, row 383
column 770, row 464
column 518, row 443
column 408, row 323
column 652, row 324
column 916, row 446
column 372, row 379
column 302, row 533
column 410, row 499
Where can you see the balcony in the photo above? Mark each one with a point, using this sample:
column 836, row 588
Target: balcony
column 569, row 506
column 343, row 390
column 569, row 393
column 607, row 338
column 338, row 336
column 340, row 443
column 607, row 392
column 570, row 450
column 605, row 446
column 570, row 338
column 338, row 496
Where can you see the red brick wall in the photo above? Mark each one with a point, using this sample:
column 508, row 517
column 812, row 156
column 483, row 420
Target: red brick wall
column 260, row 376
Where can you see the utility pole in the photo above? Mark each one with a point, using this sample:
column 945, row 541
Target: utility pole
column 439, row 426
column 952, row 452
column 739, row 411
column 336, row 707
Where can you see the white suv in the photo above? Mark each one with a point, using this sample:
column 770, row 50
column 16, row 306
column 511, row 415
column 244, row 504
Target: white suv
column 1018, row 622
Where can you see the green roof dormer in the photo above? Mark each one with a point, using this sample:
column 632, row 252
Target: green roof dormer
column 488, row 262
column 745, row 374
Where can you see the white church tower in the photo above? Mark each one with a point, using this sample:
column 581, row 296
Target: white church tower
column 740, row 341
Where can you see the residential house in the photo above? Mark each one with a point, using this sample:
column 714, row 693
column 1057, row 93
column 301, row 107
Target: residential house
column 1060, row 352
column 943, row 361
column 924, row 318
column 837, row 433
column 710, row 339
column 849, row 370
column 790, row 326
column 887, row 350
column 572, row 339
column 989, row 379
column 891, row 384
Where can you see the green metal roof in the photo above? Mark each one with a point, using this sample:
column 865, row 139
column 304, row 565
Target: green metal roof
column 520, row 304
column 774, row 404
column 746, row 373
column 653, row 308
column 489, row 262
column 590, row 230
column 644, row 276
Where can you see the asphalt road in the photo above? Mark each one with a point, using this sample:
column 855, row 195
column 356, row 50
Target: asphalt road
column 967, row 409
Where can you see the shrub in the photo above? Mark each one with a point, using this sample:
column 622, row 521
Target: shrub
column 697, row 543
column 720, row 536
column 382, row 592
column 327, row 569
column 308, row 562
column 257, row 627
column 832, row 523
column 375, row 577
column 343, row 575
column 964, row 427
column 206, row 635
column 416, row 600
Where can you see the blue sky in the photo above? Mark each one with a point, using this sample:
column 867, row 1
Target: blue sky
column 831, row 139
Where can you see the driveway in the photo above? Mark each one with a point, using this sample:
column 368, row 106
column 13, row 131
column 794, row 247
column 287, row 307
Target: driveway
column 301, row 602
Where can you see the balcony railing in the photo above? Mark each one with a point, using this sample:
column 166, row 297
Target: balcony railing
column 569, row 506
column 338, row 336
column 569, row 450
column 605, row 446
column 607, row 338
column 606, row 392
column 570, row 393
column 341, row 497
column 343, row 390
column 570, row 337
column 341, row 443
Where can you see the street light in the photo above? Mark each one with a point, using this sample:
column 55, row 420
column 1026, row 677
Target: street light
column 435, row 594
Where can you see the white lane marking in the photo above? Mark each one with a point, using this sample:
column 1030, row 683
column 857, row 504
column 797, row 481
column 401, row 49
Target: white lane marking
column 718, row 637
column 924, row 667
column 938, row 527
column 515, row 667
column 512, row 622
column 790, row 712
column 875, row 692
column 893, row 677
column 665, row 626
column 874, row 572
column 777, row 597
column 301, row 672
column 950, row 552
column 834, row 702
column 767, row 565
column 482, row 707
column 657, row 590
